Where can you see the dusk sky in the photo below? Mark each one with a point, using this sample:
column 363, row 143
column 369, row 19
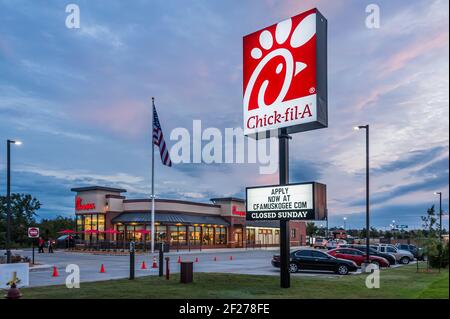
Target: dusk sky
column 80, row 100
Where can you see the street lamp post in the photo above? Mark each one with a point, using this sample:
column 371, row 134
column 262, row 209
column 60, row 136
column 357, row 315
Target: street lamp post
column 366, row 127
column 440, row 213
column 8, row 198
column 345, row 219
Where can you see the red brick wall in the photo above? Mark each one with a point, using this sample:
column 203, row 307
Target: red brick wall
column 300, row 233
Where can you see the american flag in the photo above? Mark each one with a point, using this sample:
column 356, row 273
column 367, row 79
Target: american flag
column 158, row 140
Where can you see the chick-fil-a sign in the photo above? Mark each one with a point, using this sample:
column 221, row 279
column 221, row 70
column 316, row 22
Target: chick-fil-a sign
column 80, row 206
column 285, row 75
column 236, row 212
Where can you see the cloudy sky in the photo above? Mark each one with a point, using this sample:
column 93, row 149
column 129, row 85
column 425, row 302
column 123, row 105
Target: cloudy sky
column 80, row 100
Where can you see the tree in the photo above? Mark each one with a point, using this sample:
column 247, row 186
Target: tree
column 23, row 215
column 311, row 229
column 429, row 222
column 50, row 227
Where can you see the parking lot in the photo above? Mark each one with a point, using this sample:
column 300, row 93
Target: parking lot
column 251, row 262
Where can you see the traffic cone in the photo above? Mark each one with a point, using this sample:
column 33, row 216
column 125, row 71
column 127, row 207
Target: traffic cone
column 143, row 266
column 179, row 260
column 154, row 265
column 55, row 272
column 196, row 259
column 102, row 269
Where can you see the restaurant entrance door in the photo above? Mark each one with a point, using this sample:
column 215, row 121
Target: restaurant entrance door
column 238, row 236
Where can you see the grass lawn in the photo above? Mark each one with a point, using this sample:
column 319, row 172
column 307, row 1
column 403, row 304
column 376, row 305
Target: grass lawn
column 401, row 282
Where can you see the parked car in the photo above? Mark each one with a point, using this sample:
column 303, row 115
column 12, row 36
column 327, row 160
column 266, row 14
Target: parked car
column 320, row 243
column 335, row 243
column 358, row 256
column 310, row 259
column 372, row 251
column 402, row 256
column 417, row 252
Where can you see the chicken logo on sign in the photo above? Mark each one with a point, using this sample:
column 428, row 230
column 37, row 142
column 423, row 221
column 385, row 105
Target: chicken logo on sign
column 282, row 65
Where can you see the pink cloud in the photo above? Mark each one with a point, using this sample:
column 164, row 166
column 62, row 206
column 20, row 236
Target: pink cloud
column 126, row 117
column 413, row 51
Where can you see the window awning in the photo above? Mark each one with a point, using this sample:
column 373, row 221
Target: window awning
column 169, row 218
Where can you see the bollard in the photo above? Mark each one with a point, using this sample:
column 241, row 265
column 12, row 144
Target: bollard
column 161, row 260
column 132, row 260
column 167, row 268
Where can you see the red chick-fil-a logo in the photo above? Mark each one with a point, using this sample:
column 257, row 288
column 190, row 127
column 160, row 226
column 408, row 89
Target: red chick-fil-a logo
column 80, row 206
column 280, row 73
column 235, row 212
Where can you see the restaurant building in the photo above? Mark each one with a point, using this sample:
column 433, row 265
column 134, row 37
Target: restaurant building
column 181, row 224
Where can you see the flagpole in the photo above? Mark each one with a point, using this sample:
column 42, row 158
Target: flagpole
column 152, row 234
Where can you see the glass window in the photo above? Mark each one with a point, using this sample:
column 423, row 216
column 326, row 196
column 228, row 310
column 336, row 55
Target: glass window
column 182, row 235
column 138, row 236
column 79, row 223
column 178, row 235
column 251, row 236
column 221, row 235
column 319, row 254
column 94, row 225
column 101, row 226
column 120, row 228
column 293, row 232
column 303, row 253
column 194, row 235
column 173, row 235
column 208, row 235
column 160, row 232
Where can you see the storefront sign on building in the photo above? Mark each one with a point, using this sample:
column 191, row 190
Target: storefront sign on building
column 80, row 206
column 236, row 212
column 285, row 76
column 306, row 201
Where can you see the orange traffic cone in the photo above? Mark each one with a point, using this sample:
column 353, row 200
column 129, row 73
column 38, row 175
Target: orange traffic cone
column 196, row 259
column 179, row 260
column 55, row 272
column 102, row 269
column 154, row 265
column 143, row 266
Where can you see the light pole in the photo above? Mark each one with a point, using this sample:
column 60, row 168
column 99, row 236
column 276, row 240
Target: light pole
column 393, row 228
column 440, row 213
column 345, row 219
column 8, row 198
column 366, row 127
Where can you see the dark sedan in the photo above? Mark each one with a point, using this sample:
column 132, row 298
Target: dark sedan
column 309, row 259
column 373, row 252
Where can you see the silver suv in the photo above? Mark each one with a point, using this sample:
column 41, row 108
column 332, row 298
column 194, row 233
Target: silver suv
column 402, row 256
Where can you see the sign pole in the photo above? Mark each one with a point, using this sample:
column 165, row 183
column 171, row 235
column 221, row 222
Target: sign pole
column 283, row 167
column 152, row 230
column 32, row 248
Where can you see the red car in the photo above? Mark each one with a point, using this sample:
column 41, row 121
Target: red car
column 357, row 256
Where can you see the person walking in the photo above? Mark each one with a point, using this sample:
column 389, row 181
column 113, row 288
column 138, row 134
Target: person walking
column 41, row 244
column 50, row 246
